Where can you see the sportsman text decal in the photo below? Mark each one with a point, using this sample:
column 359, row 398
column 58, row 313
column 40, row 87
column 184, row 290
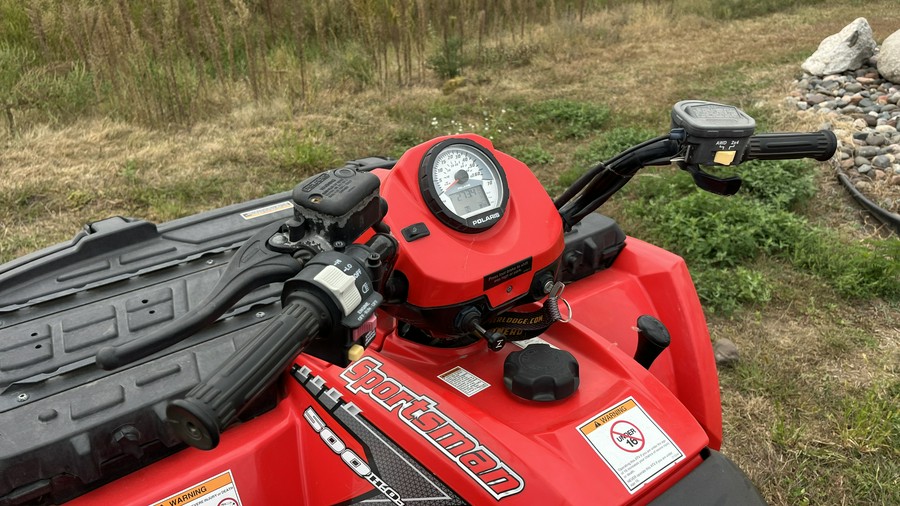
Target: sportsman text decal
column 422, row 415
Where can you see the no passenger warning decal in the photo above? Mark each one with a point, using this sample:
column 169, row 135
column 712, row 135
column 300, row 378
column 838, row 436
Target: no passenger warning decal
column 634, row 447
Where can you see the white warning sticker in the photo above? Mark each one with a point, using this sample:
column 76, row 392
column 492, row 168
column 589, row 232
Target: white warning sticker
column 634, row 447
column 464, row 381
column 217, row 491
column 524, row 343
column 262, row 211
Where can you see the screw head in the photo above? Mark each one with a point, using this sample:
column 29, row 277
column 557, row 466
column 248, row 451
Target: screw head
column 22, row 397
column 210, row 261
column 260, row 314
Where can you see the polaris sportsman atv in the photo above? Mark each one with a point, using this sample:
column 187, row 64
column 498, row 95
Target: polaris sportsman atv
column 432, row 330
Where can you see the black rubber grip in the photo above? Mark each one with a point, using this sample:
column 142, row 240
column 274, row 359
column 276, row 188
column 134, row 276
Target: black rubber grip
column 253, row 265
column 782, row 146
column 211, row 406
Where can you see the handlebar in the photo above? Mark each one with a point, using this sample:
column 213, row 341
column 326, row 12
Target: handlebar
column 211, row 406
column 253, row 265
column 819, row 145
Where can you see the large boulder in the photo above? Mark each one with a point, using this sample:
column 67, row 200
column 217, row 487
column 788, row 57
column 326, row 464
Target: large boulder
column 889, row 58
column 845, row 50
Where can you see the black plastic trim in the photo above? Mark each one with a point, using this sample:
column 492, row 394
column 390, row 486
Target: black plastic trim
column 716, row 481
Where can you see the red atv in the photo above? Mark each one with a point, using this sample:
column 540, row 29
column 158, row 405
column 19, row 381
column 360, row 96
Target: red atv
column 432, row 330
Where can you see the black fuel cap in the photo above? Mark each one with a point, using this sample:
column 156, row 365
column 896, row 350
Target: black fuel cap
column 541, row 373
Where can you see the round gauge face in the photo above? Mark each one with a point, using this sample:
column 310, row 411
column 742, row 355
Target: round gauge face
column 463, row 185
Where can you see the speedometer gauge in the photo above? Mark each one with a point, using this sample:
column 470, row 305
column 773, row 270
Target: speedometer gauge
column 463, row 185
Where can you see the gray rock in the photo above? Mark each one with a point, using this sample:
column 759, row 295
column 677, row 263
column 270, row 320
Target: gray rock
column 881, row 162
column 845, row 50
column 886, row 129
column 874, row 139
column 865, row 103
column 864, row 169
column 889, row 57
column 816, row 98
column 802, row 105
column 853, row 87
column 860, row 160
column 867, row 151
column 726, row 352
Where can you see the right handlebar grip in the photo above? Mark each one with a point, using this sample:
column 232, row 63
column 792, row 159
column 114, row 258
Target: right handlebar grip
column 211, row 406
column 819, row 145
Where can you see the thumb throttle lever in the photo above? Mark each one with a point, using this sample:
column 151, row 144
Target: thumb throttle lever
column 252, row 266
column 214, row 404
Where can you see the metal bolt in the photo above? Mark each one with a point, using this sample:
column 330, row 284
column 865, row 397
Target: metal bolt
column 260, row 314
column 22, row 397
column 210, row 261
column 508, row 288
column 548, row 286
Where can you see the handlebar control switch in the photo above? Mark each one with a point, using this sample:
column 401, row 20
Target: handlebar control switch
column 717, row 134
column 343, row 281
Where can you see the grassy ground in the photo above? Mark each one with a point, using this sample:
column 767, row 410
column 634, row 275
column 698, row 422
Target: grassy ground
column 812, row 411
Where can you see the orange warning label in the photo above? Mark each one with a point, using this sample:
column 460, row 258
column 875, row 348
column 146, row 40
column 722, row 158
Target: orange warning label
column 635, row 447
column 607, row 417
column 216, row 491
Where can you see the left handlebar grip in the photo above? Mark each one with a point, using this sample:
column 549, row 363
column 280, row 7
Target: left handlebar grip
column 819, row 145
column 211, row 406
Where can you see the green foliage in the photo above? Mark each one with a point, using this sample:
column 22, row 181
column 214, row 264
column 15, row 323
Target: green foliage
column 741, row 9
column 725, row 290
column 782, row 184
column 303, row 154
column 870, row 419
column 532, row 154
column 354, row 68
column 854, row 269
column 708, row 230
column 448, row 60
column 611, row 143
column 719, row 237
column 565, row 119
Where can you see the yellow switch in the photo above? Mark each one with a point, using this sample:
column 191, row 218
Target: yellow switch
column 355, row 352
column 724, row 157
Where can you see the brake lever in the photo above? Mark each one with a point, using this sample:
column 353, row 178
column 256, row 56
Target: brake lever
column 253, row 265
column 707, row 182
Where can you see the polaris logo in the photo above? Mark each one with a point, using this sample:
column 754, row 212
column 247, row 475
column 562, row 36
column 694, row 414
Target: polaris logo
column 485, row 219
column 349, row 456
column 422, row 415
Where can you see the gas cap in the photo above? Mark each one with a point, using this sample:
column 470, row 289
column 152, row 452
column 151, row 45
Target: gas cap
column 541, row 373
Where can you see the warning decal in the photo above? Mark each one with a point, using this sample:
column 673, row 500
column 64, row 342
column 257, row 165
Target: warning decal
column 464, row 381
column 633, row 446
column 217, row 491
column 262, row 211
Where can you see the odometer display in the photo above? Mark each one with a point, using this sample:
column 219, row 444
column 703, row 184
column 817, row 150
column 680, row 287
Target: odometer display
column 463, row 185
column 469, row 200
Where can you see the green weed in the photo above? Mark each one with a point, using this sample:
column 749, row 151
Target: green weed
column 532, row 154
column 303, row 155
column 565, row 119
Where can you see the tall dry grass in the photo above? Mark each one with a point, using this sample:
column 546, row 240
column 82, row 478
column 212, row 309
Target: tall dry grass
column 163, row 62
